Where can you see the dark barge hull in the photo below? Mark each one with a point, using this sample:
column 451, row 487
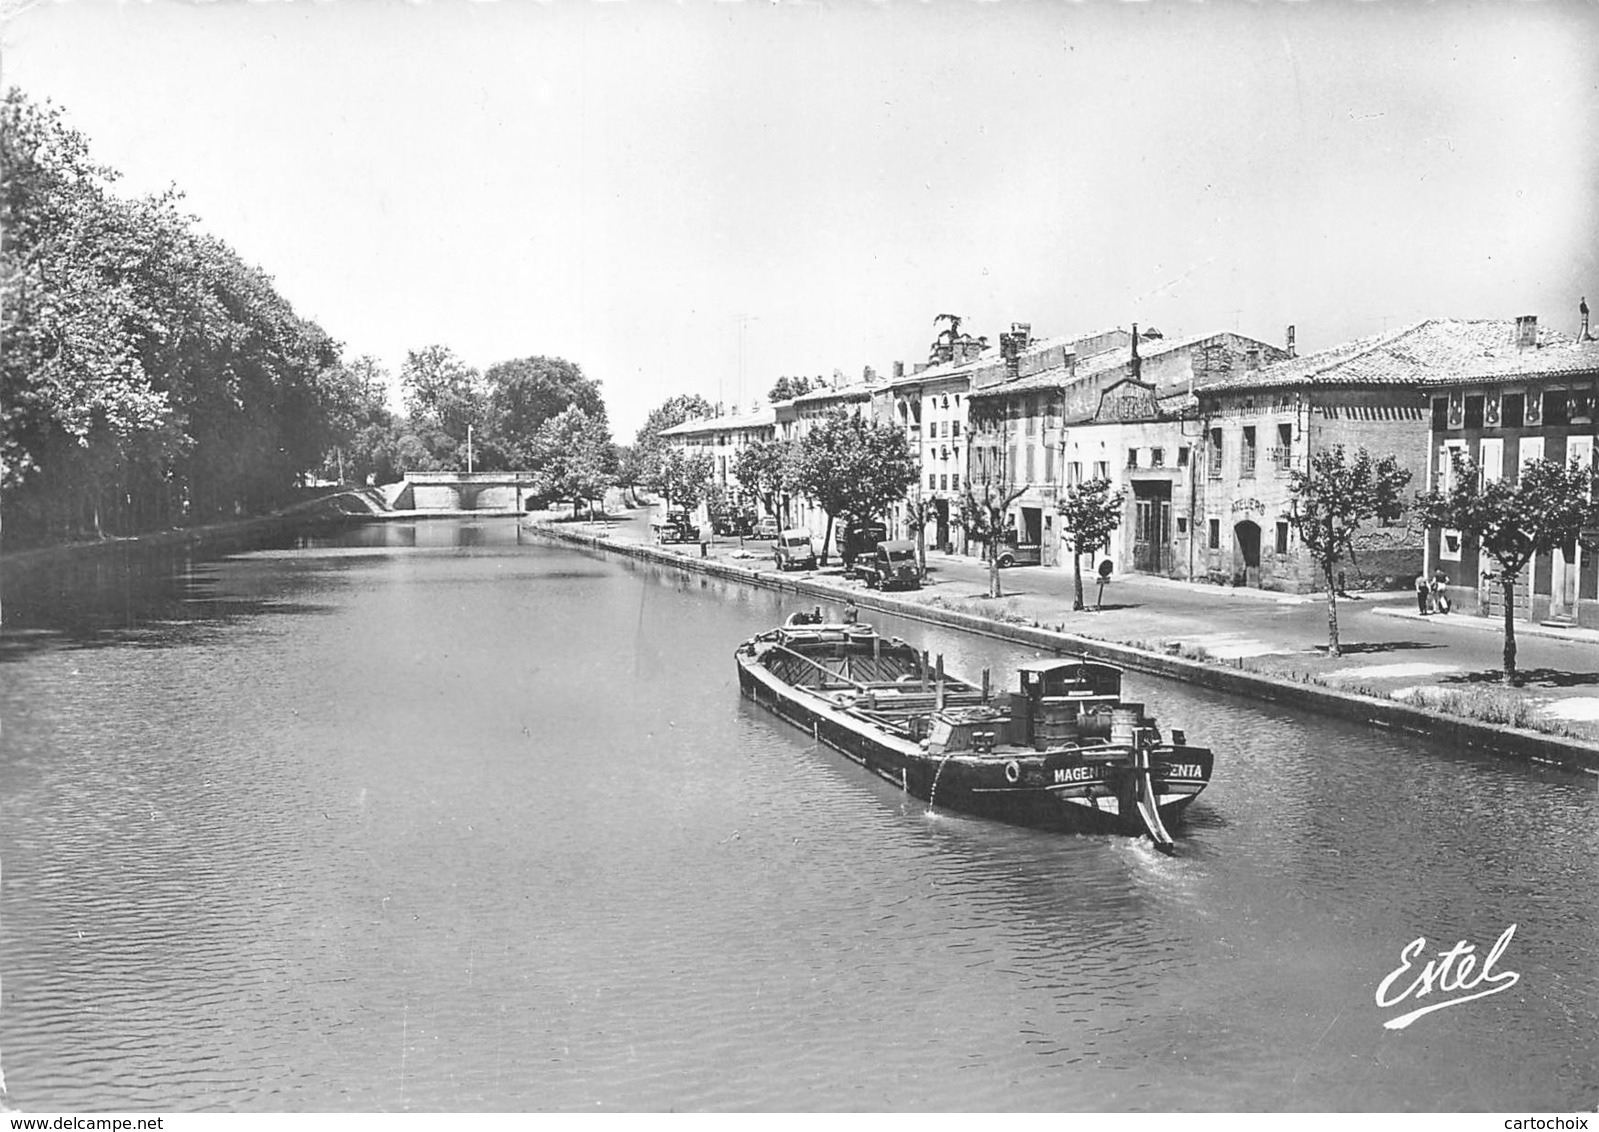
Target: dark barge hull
column 1027, row 790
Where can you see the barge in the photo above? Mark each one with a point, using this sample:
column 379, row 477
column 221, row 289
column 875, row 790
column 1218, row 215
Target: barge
column 1062, row 750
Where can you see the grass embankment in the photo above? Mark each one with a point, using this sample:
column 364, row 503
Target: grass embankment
column 1498, row 704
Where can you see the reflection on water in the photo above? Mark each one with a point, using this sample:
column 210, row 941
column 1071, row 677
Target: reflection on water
column 431, row 817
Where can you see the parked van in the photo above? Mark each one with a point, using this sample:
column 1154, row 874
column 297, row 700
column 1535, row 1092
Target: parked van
column 795, row 551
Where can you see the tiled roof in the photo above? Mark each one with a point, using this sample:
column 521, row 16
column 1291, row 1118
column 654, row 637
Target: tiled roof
column 719, row 424
column 1103, row 362
column 1055, row 377
column 1434, row 351
column 858, row 391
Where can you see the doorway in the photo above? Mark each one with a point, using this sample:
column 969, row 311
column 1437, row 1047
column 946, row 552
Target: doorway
column 1246, row 553
column 1152, row 527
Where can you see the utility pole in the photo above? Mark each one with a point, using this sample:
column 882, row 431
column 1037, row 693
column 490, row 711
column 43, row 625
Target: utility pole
column 743, row 320
column 468, row 449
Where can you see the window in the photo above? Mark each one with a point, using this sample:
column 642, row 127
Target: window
column 1556, row 408
column 1215, row 534
column 1247, row 460
column 1030, row 451
column 1049, row 465
column 1215, row 453
column 1132, row 457
column 955, row 428
column 1157, row 457
column 1282, row 537
column 1074, row 474
column 955, row 482
column 1285, row 435
column 932, row 481
column 1102, row 469
column 1513, row 410
column 1182, row 456
column 1474, row 411
column 1182, row 524
column 1440, row 414
column 943, row 481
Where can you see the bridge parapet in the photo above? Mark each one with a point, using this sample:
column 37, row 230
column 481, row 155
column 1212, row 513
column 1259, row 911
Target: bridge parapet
column 460, row 491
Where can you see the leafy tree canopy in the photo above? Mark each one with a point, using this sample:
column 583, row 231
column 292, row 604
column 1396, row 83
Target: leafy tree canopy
column 765, row 468
column 852, row 468
column 573, row 456
column 1549, row 505
column 1331, row 502
column 788, row 388
column 1090, row 511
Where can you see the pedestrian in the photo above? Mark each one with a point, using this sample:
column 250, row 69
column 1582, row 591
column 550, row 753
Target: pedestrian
column 1440, row 599
column 851, row 614
column 1423, row 593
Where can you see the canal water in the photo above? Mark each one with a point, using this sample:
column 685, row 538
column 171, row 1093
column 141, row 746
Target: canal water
column 444, row 816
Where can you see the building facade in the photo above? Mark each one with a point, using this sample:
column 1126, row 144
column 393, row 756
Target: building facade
column 1530, row 396
column 1258, row 428
column 1044, row 431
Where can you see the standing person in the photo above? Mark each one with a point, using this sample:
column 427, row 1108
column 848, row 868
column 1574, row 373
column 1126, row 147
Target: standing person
column 1440, row 599
column 851, row 615
column 1423, row 593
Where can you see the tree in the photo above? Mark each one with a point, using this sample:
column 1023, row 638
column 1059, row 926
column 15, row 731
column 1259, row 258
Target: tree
column 983, row 508
column 148, row 375
column 360, row 425
column 1548, row 505
column 765, row 469
column 853, row 469
column 788, row 388
column 524, row 393
column 988, row 495
column 918, row 513
column 1090, row 512
column 1331, row 501
column 683, row 479
column 446, row 399
column 649, row 450
column 573, row 457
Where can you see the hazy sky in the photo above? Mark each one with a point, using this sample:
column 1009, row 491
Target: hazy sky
column 628, row 184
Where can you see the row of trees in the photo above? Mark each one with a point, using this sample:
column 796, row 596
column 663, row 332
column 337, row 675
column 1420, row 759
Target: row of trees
column 150, row 377
column 147, row 373
column 1548, row 506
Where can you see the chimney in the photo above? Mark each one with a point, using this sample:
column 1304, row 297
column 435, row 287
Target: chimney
column 1292, row 353
column 1138, row 363
column 1011, row 344
column 899, row 370
column 1584, row 336
column 1526, row 332
column 838, row 378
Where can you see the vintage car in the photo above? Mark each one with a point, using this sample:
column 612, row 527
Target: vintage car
column 794, row 551
column 768, row 529
column 890, row 565
column 1014, row 553
column 858, row 539
column 676, row 527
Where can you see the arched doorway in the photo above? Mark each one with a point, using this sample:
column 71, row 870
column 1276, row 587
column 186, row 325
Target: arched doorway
column 1246, row 552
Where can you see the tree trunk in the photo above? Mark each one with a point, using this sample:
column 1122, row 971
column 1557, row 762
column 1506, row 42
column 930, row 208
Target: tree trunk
column 1332, row 612
column 1508, row 581
column 1077, row 579
column 993, row 569
column 827, row 536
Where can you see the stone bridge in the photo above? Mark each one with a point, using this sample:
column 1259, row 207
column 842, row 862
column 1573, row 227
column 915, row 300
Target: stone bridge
column 460, row 491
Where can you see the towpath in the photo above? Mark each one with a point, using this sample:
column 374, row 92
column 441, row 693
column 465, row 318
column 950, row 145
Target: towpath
column 1389, row 650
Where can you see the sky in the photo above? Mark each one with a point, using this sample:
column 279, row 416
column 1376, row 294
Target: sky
column 701, row 196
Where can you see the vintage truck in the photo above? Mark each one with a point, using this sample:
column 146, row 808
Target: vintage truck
column 890, row 565
column 676, row 527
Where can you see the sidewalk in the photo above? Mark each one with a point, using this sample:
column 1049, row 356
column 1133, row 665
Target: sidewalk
column 1388, row 652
